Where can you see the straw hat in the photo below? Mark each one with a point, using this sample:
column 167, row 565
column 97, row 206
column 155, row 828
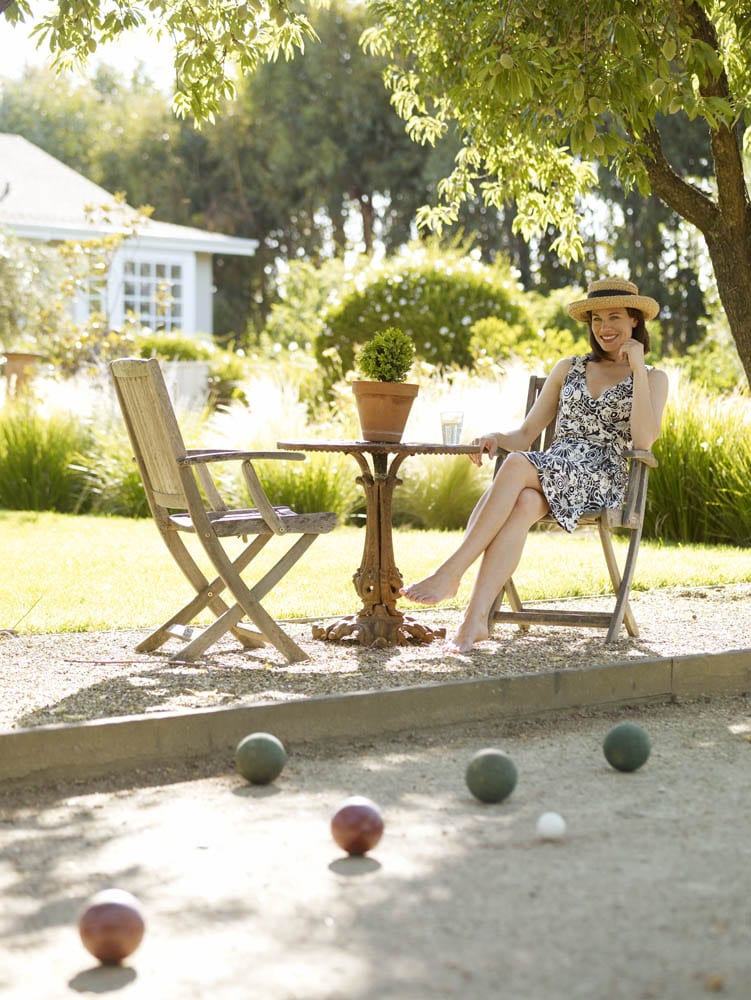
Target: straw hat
column 613, row 293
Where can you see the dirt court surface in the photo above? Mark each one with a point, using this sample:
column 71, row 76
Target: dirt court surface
column 247, row 896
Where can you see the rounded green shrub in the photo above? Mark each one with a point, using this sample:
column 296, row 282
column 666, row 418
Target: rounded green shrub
column 172, row 347
column 433, row 298
column 499, row 340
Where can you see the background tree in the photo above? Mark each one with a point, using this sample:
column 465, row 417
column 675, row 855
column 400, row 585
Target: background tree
column 532, row 96
column 310, row 158
column 540, row 91
column 119, row 133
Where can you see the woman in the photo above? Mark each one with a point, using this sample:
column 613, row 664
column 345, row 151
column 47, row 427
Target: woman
column 609, row 401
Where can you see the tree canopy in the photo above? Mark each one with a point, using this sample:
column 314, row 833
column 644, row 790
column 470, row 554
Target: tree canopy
column 539, row 93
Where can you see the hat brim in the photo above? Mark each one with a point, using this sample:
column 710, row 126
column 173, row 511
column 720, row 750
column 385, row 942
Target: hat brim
column 580, row 310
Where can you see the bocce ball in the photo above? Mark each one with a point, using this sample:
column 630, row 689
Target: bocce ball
column 551, row 826
column 491, row 775
column 260, row 758
column 626, row 746
column 112, row 925
column 357, row 825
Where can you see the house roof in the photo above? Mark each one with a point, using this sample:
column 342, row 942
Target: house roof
column 43, row 199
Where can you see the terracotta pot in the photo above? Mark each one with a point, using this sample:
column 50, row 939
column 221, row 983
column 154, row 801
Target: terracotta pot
column 19, row 370
column 383, row 408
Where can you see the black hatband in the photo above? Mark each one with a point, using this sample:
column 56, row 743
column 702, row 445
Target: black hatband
column 609, row 294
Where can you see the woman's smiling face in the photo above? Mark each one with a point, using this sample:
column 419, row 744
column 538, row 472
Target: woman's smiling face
column 612, row 328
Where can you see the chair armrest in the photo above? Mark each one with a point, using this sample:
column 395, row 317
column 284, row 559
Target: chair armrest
column 200, row 459
column 196, row 456
column 262, row 502
column 639, row 455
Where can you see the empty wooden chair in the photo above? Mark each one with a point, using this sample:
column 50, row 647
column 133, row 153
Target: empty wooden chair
column 629, row 518
column 183, row 497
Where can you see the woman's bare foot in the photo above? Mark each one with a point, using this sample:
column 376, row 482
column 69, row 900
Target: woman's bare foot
column 432, row 590
column 466, row 636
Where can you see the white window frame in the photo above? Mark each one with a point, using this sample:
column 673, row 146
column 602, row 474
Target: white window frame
column 185, row 260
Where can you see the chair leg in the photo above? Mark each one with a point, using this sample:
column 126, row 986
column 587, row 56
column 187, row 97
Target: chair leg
column 207, row 593
column 622, row 608
column 496, row 605
column 210, row 634
column 248, row 600
column 622, row 613
column 207, row 636
column 515, row 603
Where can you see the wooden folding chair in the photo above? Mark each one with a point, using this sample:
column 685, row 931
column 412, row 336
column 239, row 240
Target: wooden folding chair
column 176, row 481
column 629, row 517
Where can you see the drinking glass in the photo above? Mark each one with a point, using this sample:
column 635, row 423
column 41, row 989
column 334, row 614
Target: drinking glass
column 451, row 426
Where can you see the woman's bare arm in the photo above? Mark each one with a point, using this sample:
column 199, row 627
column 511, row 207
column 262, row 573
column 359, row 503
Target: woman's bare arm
column 535, row 422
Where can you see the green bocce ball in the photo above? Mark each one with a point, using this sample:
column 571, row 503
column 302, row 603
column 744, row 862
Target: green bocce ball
column 260, row 758
column 491, row 775
column 626, row 746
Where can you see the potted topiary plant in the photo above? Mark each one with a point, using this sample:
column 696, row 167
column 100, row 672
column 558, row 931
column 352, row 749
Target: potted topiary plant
column 383, row 396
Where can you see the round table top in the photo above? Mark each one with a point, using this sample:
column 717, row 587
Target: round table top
column 381, row 447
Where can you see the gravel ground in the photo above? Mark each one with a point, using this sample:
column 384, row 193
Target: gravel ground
column 82, row 676
column 246, row 895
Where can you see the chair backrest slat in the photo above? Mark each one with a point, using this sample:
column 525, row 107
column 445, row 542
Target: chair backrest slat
column 152, row 427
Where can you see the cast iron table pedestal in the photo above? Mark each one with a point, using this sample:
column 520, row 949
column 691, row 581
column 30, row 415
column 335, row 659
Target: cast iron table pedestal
column 378, row 580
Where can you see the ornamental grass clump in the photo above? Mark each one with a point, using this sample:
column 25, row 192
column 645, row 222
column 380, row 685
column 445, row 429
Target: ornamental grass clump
column 387, row 356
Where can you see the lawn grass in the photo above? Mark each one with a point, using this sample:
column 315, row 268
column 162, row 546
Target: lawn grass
column 62, row 573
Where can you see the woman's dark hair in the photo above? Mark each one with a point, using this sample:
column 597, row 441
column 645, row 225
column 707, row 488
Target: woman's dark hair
column 640, row 333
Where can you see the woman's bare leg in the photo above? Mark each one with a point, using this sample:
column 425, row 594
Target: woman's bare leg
column 498, row 563
column 492, row 511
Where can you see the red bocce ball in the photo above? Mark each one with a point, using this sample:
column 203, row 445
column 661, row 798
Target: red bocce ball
column 357, row 825
column 112, row 925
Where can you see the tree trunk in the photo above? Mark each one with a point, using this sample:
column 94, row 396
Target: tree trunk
column 728, row 239
column 724, row 223
column 368, row 218
column 731, row 260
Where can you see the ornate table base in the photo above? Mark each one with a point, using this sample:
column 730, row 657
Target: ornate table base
column 383, row 627
column 378, row 580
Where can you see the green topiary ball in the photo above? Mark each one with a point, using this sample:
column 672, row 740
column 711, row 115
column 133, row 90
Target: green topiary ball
column 626, row 746
column 260, row 758
column 387, row 356
column 491, row 775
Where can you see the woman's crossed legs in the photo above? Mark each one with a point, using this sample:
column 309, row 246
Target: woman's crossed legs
column 497, row 531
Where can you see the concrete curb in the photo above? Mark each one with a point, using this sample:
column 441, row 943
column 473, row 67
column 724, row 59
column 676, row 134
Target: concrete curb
column 128, row 742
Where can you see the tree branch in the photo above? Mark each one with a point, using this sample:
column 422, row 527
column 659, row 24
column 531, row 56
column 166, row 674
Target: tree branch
column 683, row 197
column 4, row 4
column 732, row 195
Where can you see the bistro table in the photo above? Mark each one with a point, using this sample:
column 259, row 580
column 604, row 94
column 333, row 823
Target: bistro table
column 377, row 581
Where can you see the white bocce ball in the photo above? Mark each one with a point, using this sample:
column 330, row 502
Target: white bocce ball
column 551, row 826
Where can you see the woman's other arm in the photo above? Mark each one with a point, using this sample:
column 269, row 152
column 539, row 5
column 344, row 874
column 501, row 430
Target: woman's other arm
column 650, row 396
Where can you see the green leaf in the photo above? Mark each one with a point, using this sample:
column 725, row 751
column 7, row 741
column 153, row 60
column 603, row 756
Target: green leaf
column 669, row 49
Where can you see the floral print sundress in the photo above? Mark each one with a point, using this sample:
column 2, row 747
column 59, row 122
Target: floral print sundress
column 584, row 469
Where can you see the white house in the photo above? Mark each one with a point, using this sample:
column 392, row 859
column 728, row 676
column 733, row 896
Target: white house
column 162, row 274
